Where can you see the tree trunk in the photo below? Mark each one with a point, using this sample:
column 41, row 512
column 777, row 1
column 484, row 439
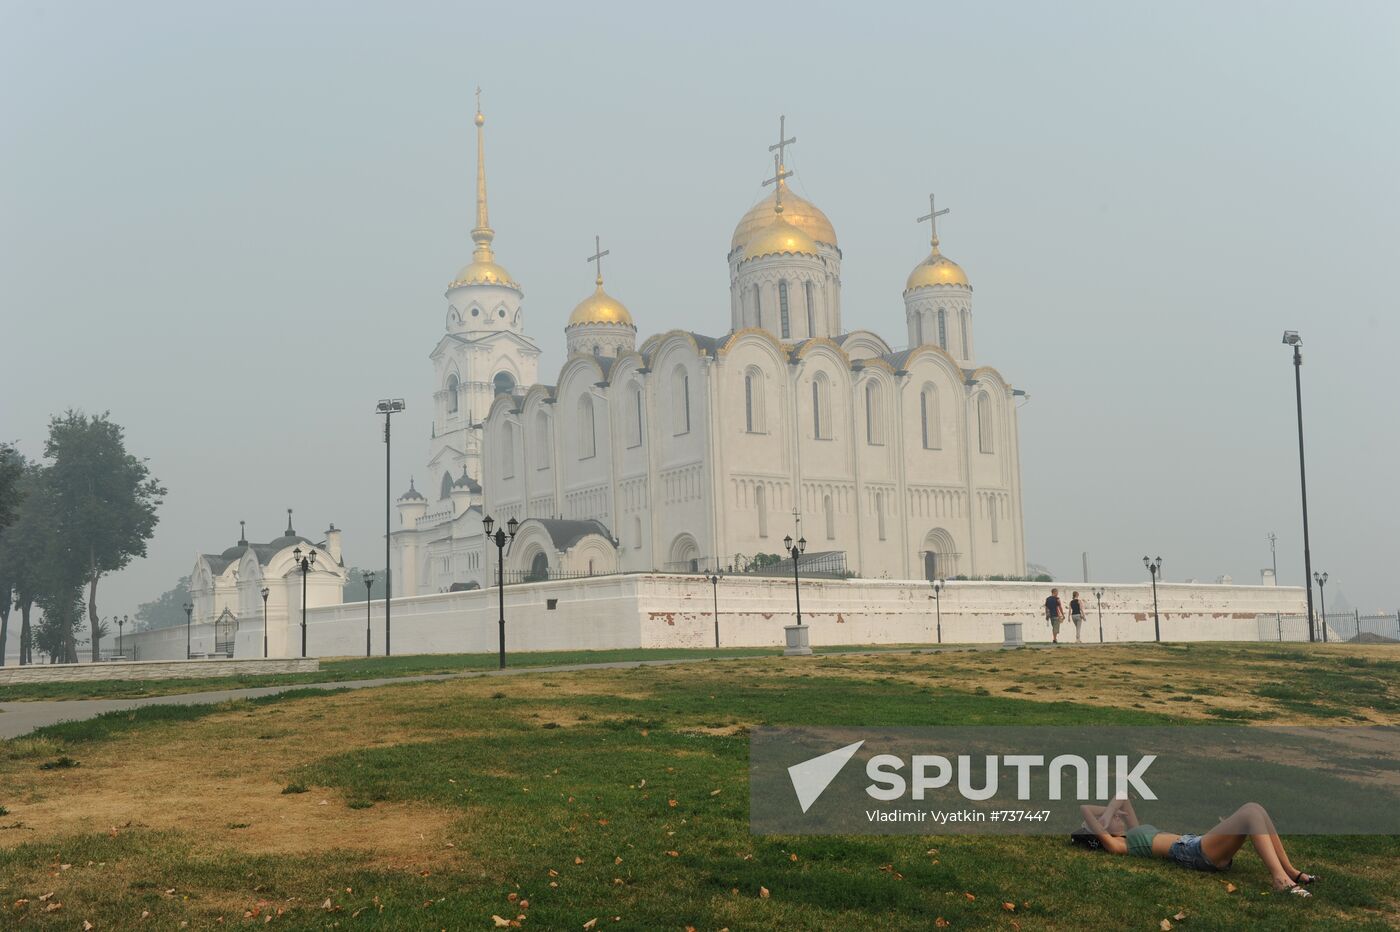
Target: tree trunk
column 92, row 618
column 26, row 656
column 4, row 624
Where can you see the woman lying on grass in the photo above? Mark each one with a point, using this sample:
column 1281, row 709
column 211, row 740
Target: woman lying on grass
column 1116, row 829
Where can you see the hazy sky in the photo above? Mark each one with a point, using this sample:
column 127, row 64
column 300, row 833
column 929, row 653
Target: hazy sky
column 232, row 226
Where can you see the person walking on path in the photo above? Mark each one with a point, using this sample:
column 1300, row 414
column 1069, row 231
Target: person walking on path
column 1054, row 613
column 1076, row 615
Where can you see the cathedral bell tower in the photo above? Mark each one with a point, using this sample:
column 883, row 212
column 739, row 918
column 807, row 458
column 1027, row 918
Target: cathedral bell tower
column 484, row 351
column 938, row 299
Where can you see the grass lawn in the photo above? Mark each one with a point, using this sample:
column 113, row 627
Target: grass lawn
column 621, row 796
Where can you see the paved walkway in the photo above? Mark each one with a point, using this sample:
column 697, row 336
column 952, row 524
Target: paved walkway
column 20, row 718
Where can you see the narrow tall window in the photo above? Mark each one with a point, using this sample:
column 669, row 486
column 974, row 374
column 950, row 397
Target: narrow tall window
column 816, row 410
column 880, row 513
column 542, row 438
column 984, row 422
column 755, row 414
column 748, row 403
column 452, row 386
column 942, row 328
column 783, row 310
column 507, row 451
column 821, row 407
column 919, row 330
column 636, row 432
column 587, row 436
column 810, row 289
column 760, row 500
column 993, row 503
column 830, row 514
column 962, row 326
column 446, row 488
column 757, row 306
column 680, row 389
column 929, row 426
column 874, row 417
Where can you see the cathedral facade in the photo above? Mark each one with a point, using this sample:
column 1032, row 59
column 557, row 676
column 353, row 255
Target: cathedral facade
column 689, row 452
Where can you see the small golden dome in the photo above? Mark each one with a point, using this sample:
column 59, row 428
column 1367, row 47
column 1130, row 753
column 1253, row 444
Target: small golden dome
column 600, row 308
column 937, row 269
column 797, row 211
column 779, row 237
column 483, row 272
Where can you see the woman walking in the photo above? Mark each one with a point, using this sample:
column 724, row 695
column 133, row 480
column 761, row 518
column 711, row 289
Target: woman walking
column 1076, row 615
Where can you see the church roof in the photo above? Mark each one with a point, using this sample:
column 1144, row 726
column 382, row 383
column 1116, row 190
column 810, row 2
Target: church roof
column 566, row 532
column 467, row 482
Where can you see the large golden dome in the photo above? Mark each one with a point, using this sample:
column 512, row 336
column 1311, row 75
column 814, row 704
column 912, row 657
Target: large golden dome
column 937, row 269
column 797, row 211
column 483, row 272
column 600, row 308
column 779, row 237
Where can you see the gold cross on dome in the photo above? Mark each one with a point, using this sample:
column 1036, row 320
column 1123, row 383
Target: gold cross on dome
column 932, row 217
column 779, row 173
column 783, row 140
column 478, row 98
column 598, row 254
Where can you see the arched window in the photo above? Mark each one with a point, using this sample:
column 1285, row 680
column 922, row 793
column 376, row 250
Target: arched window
column 942, row 328
column 821, row 404
column 929, row 426
column 993, row 503
column 918, row 329
column 811, row 309
column 754, row 406
column 760, row 500
column 783, row 310
column 452, row 386
column 680, row 392
column 874, row 414
column 634, row 426
column 636, row 532
column 880, row 513
column 507, row 451
column 757, row 306
column 962, row 326
column 446, row 485
column 829, row 513
column 542, row 441
column 587, row 436
column 984, row 422
column 504, row 383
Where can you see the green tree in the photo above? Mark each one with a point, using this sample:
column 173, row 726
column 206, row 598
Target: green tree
column 12, row 467
column 25, row 552
column 104, row 504
column 355, row 589
column 167, row 609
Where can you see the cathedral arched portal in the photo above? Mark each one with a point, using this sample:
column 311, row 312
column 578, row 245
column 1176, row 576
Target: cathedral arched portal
column 939, row 555
column 685, row 554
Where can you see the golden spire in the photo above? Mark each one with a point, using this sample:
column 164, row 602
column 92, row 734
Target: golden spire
column 482, row 234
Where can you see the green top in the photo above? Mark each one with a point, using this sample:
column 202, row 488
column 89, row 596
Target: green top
column 1139, row 839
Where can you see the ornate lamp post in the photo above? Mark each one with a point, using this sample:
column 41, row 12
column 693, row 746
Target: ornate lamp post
column 500, row 539
column 369, row 585
column 265, row 592
column 1098, row 599
column 795, row 552
column 1291, row 338
column 303, row 562
column 714, row 586
column 189, row 616
column 1321, row 579
column 1154, row 567
column 387, row 407
column 938, row 607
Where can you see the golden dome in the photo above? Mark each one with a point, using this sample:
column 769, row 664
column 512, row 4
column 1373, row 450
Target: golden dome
column 600, row 308
column 797, row 211
column 779, row 237
column 937, row 269
column 483, row 272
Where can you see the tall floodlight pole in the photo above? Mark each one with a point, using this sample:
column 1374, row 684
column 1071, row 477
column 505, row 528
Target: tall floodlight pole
column 369, row 587
column 1321, row 579
column 1154, row 567
column 1098, row 600
column 714, row 586
column 387, row 407
column 265, row 592
column 1291, row 338
column 303, row 562
column 500, row 539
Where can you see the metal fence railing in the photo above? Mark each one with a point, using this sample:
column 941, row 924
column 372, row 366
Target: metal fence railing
column 825, row 564
column 1340, row 627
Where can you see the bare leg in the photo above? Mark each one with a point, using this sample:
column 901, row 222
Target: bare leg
column 1250, row 820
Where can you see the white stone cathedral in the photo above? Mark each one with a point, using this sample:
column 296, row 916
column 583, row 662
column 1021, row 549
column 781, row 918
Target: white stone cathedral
column 692, row 452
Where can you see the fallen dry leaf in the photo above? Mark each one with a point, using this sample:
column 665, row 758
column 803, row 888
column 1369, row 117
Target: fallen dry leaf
column 714, row 792
column 1009, row 907
column 512, row 897
column 1180, row 916
column 1165, row 925
column 941, row 922
column 763, row 892
column 617, row 860
column 1230, row 888
column 578, row 860
column 590, row 923
column 500, row 923
column 793, row 856
column 44, row 897
column 970, row 897
column 674, row 854
column 672, row 803
column 53, row 907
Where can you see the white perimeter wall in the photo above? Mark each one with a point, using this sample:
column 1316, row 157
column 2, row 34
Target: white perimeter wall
column 653, row 610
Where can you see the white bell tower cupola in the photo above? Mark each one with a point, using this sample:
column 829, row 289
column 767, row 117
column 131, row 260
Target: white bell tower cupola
column 600, row 325
column 784, row 263
column 938, row 299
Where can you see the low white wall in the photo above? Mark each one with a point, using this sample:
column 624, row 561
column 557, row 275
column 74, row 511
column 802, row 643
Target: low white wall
column 156, row 670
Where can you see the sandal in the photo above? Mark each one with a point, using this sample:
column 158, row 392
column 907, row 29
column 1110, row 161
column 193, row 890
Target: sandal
column 1304, row 879
column 1296, row 890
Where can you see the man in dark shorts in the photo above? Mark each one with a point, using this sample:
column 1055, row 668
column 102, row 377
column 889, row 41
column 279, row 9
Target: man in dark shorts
column 1054, row 613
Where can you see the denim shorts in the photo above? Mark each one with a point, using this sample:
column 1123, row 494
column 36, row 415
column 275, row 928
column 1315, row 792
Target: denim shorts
column 1187, row 852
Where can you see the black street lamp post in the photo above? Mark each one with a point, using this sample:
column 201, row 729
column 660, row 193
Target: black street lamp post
column 387, row 407
column 121, row 623
column 1321, row 579
column 1154, row 567
column 265, row 592
column 714, row 586
column 795, row 552
column 938, row 607
column 1098, row 599
column 189, row 616
column 369, row 586
column 303, row 562
column 500, row 540
column 1290, row 338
